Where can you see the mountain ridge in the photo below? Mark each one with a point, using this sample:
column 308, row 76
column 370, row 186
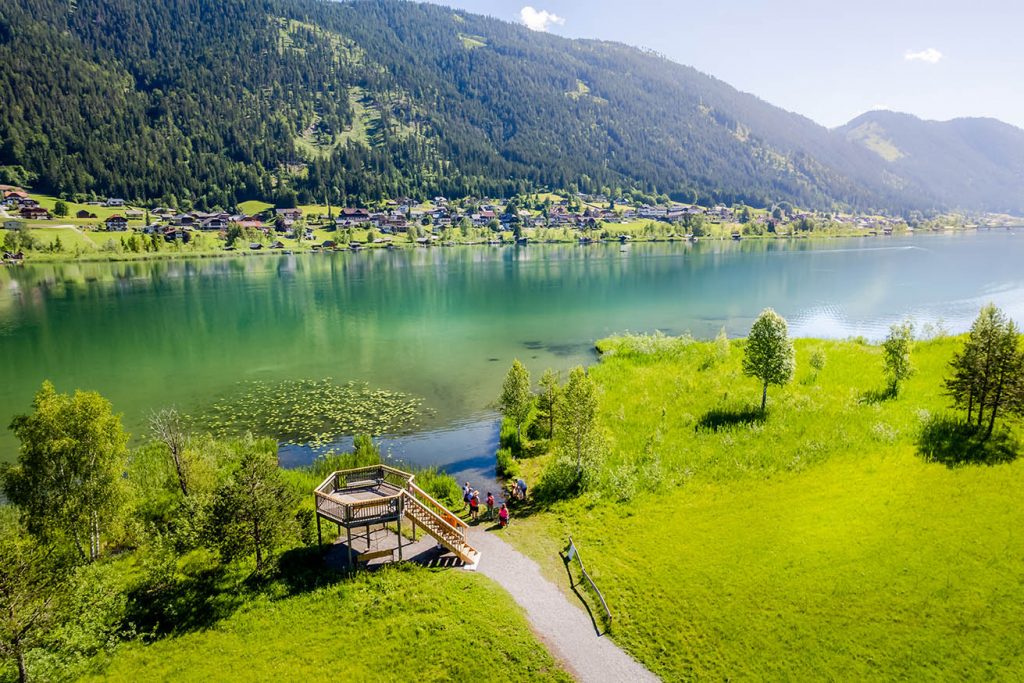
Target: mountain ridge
column 360, row 100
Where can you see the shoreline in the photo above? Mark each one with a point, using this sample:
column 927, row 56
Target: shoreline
column 52, row 258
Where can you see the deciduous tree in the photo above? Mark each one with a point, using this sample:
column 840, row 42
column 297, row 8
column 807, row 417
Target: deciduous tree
column 578, row 434
column 769, row 354
column 548, row 399
column 68, row 481
column 896, row 355
column 516, row 399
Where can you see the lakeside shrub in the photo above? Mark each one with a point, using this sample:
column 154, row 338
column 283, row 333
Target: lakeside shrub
column 657, row 345
column 506, row 465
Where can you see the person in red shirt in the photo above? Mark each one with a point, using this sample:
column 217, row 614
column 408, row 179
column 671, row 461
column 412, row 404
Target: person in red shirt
column 503, row 516
column 474, row 505
column 490, row 506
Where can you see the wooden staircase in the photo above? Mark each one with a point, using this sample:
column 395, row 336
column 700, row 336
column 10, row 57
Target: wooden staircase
column 439, row 522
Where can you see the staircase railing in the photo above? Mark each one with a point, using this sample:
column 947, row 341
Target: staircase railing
column 430, row 504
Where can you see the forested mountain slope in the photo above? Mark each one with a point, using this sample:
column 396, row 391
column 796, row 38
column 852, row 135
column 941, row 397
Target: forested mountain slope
column 970, row 161
column 221, row 101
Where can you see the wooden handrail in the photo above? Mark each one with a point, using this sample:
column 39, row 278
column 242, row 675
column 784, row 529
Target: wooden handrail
column 415, row 491
column 445, row 524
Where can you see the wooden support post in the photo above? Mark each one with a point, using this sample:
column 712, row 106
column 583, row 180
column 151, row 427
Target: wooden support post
column 399, row 538
column 319, row 535
column 351, row 561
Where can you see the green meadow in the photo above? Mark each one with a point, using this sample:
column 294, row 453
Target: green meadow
column 400, row 623
column 813, row 544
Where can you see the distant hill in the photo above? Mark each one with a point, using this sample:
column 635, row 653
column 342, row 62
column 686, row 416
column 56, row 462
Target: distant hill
column 970, row 162
column 221, row 101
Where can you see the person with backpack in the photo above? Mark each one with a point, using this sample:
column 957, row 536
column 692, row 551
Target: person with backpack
column 490, row 506
column 466, row 493
column 474, row 505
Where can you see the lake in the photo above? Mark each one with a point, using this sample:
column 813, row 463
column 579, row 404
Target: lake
column 444, row 324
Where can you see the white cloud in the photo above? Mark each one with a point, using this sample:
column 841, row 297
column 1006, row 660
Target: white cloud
column 930, row 55
column 539, row 19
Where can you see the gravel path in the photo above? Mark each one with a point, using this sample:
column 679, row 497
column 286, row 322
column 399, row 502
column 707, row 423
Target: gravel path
column 564, row 627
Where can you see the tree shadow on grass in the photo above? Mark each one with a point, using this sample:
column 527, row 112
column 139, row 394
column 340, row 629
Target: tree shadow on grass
column 876, row 396
column 717, row 419
column 954, row 442
column 198, row 601
column 189, row 603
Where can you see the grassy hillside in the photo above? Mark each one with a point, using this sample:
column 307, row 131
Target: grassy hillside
column 401, row 623
column 815, row 544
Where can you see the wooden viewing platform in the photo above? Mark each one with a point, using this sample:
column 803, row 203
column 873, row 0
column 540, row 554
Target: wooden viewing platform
column 379, row 494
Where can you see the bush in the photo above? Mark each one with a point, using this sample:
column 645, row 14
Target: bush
column 657, row 345
column 561, row 479
column 951, row 442
column 507, row 467
column 440, row 486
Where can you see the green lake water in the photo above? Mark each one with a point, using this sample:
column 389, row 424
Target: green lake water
column 443, row 324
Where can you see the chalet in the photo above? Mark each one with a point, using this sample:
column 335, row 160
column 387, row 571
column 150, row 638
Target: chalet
column 85, row 214
column 116, row 223
column 293, row 214
column 278, row 244
column 12, row 197
column 113, row 201
column 214, row 223
column 134, row 215
column 182, row 219
column 176, row 233
column 351, row 216
column 396, row 223
column 255, row 246
column 250, row 222
column 34, row 213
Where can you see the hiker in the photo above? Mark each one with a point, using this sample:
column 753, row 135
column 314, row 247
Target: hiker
column 521, row 488
column 503, row 516
column 466, row 493
column 474, row 505
column 490, row 506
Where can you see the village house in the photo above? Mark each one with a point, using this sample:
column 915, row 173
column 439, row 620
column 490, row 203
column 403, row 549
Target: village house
column 85, row 214
column 250, row 222
column 116, row 223
column 14, row 197
column 34, row 213
column 213, row 223
column 113, row 201
column 12, row 225
column 292, row 214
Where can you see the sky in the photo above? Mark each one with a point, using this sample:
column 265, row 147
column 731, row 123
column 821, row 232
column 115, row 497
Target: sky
column 830, row 61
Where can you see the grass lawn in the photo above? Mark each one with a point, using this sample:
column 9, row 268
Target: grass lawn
column 254, row 206
column 813, row 545
column 101, row 212
column 404, row 623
